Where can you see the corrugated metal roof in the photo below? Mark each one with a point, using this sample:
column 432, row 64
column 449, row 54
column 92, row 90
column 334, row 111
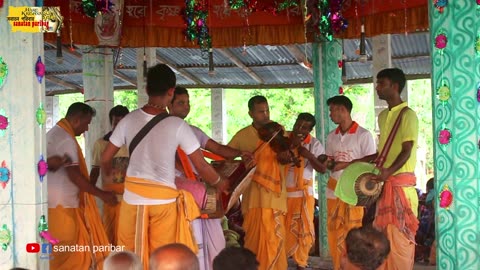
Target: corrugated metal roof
column 240, row 67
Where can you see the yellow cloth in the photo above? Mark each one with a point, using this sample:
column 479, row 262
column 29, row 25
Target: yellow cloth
column 265, row 236
column 408, row 131
column 264, row 213
column 402, row 251
column 88, row 207
column 245, row 139
column 300, row 232
column 67, row 225
column 342, row 217
column 142, row 228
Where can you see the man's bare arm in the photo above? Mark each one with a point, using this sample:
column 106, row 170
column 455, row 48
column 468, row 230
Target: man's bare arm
column 79, row 180
column 401, row 159
column 225, row 150
column 94, row 173
column 207, row 172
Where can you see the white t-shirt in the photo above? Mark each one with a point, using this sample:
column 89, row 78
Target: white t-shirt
column 202, row 138
column 316, row 148
column 154, row 156
column 355, row 143
column 61, row 190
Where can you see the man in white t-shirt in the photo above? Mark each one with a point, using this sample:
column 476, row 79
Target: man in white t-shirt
column 349, row 142
column 70, row 209
column 119, row 167
column 153, row 212
column 300, row 197
column 209, row 232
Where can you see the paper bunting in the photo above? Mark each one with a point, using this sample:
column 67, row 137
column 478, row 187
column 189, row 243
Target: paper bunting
column 39, row 69
column 42, row 168
column 3, row 123
column 444, row 136
column 446, row 197
column 443, row 93
column 41, row 115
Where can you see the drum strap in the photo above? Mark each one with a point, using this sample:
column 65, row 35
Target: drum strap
column 144, row 131
column 388, row 144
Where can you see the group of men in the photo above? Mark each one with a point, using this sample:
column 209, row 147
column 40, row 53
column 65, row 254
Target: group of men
column 140, row 166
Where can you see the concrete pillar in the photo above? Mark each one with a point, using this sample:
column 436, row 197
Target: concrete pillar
column 148, row 54
column 457, row 162
column 381, row 59
column 97, row 66
column 327, row 80
column 219, row 115
column 23, row 199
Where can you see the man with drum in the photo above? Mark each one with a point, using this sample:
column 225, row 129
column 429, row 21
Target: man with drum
column 153, row 212
column 397, row 206
column 208, row 232
column 347, row 143
column 300, row 200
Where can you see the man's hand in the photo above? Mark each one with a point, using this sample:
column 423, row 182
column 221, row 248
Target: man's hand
column 109, row 198
column 223, row 186
column 56, row 162
column 383, row 176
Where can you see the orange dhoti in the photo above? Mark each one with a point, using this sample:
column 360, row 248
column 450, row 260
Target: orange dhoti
column 300, row 232
column 143, row 228
column 342, row 217
column 111, row 213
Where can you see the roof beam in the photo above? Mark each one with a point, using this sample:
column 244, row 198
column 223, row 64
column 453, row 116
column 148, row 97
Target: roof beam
column 178, row 70
column 122, row 76
column 299, row 56
column 241, row 65
column 58, row 81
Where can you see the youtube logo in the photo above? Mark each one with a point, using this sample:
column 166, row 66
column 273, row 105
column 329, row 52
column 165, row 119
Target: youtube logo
column 33, row 247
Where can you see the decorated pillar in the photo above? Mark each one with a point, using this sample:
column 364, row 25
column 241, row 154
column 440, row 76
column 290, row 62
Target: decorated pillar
column 148, row 56
column 219, row 115
column 97, row 66
column 23, row 193
column 327, row 81
column 455, row 47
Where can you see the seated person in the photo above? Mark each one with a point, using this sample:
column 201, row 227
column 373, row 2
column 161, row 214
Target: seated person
column 366, row 249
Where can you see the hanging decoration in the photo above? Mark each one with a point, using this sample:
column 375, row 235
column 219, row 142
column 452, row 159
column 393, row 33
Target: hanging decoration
column 444, row 136
column 440, row 5
column 340, row 90
column 443, row 93
column 441, row 42
column 196, row 15
column 5, row 237
column 324, row 18
column 478, row 4
column 3, row 71
column 4, row 174
column 3, row 123
column 478, row 92
column 446, row 197
column 39, row 69
column 89, row 8
column 477, row 43
column 42, row 168
column 41, row 115
column 1, row 3
column 44, row 233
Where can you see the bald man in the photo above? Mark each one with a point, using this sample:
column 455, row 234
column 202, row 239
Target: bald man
column 173, row 257
column 124, row 260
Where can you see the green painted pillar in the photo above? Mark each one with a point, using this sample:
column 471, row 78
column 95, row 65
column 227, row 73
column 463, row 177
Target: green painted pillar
column 457, row 163
column 326, row 80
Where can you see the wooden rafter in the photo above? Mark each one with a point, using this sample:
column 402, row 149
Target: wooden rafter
column 240, row 64
column 58, row 81
column 300, row 57
column 179, row 70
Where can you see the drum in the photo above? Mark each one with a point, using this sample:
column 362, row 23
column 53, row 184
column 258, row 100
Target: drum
column 355, row 185
column 205, row 196
column 239, row 177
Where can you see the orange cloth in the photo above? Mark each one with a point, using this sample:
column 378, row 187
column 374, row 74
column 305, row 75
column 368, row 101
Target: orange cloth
column 393, row 207
column 300, row 232
column 265, row 236
column 267, row 172
column 264, row 204
column 111, row 212
column 187, row 167
column 402, row 250
column 342, row 217
column 88, row 207
column 67, row 224
column 150, row 219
